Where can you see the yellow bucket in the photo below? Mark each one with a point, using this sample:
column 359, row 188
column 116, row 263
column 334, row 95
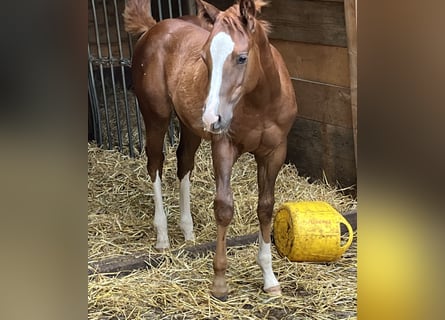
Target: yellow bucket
column 310, row 231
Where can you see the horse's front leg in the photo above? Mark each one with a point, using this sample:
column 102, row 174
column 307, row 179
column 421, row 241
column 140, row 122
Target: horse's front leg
column 223, row 155
column 268, row 168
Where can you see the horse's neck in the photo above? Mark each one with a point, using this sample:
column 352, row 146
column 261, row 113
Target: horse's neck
column 269, row 79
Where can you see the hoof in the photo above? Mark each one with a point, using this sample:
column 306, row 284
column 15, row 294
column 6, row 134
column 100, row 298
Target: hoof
column 189, row 237
column 222, row 298
column 275, row 290
column 162, row 244
column 162, row 247
column 190, row 242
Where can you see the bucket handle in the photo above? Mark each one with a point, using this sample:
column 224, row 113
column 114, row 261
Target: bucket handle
column 350, row 231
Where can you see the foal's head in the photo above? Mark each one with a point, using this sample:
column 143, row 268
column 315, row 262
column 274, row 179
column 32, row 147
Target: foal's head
column 231, row 60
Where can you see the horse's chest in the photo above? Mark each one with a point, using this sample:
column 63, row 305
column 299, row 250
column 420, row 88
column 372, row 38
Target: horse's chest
column 260, row 139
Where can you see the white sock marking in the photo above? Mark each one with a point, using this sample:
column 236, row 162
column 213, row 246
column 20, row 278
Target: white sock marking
column 264, row 259
column 220, row 48
column 160, row 219
column 184, row 203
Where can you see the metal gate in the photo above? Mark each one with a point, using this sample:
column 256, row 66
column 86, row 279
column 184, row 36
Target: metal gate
column 114, row 120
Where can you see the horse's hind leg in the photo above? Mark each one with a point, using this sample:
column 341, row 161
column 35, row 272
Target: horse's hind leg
column 156, row 125
column 185, row 153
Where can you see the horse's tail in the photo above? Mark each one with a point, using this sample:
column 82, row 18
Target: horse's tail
column 137, row 17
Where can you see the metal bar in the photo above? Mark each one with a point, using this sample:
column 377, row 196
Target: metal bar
column 139, row 123
column 102, row 62
column 113, row 83
column 138, row 115
column 180, row 7
column 124, row 84
column 160, row 10
column 94, row 103
column 136, row 103
column 99, row 53
column 130, row 44
column 170, row 11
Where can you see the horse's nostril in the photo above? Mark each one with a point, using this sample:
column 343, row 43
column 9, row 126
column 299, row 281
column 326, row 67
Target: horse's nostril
column 216, row 126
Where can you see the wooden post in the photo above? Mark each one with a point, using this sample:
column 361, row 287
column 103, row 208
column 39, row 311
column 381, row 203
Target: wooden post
column 351, row 33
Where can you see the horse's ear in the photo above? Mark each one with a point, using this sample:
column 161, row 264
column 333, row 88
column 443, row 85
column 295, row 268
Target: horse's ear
column 248, row 11
column 206, row 11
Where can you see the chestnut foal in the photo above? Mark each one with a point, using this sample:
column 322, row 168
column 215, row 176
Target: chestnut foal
column 227, row 84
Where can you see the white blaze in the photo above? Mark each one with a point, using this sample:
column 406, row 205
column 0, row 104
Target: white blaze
column 220, row 48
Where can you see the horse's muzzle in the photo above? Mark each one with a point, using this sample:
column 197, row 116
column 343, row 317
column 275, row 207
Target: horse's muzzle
column 213, row 123
column 217, row 127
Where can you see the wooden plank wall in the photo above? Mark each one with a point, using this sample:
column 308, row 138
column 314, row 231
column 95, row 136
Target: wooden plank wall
column 311, row 36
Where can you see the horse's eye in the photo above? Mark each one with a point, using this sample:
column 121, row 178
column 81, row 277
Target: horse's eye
column 242, row 58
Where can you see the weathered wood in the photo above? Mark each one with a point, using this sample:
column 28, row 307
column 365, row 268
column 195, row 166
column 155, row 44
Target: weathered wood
column 321, row 22
column 318, row 149
column 204, row 248
column 125, row 264
column 324, row 103
column 351, row 32
column 140, row 260
column 351, row 217
column 315, row 62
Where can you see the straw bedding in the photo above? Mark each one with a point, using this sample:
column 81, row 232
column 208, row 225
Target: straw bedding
column 120, row 218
